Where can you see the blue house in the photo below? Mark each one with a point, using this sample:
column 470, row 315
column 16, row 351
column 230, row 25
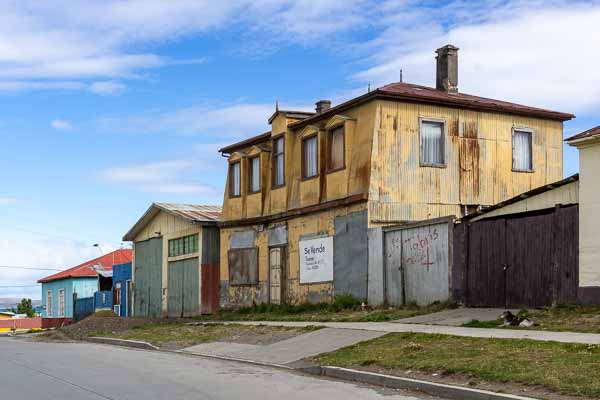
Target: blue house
column 122, row 289
column 81, row 281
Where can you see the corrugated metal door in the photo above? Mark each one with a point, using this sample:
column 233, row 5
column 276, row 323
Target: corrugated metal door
column 417, row 265
column 425, row 264
column 277, row 274
column 148, row 278
column 184, row 288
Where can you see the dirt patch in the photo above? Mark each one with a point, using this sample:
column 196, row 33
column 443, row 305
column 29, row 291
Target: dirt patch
column 261, row 335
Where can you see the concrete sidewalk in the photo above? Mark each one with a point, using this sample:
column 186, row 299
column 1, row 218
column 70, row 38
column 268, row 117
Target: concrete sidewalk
column 391, row 327
column 457, row 316
column 287, row 351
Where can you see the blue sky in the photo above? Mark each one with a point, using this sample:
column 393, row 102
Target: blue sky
column 110, row 105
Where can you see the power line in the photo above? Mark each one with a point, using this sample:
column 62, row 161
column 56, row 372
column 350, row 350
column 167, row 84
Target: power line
column 30, row 268
column 19, row 286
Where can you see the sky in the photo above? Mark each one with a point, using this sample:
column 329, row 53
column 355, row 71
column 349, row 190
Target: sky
column 107, row 106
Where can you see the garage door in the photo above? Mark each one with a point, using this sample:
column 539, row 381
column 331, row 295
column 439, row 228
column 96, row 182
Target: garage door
column 184, row 288
column 148, row 278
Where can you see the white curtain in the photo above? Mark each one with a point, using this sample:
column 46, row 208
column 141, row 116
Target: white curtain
column 235, row 177
column 310, row 157
column 522, row 159
column 337, row 149
column 432, row 142
column 255, row 185
column 279, row 162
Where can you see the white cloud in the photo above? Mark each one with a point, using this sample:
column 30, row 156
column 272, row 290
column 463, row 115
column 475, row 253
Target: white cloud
column 107, row 88
column 537, row 53
column 7, row 200
column 61, row 125
column 168, row 177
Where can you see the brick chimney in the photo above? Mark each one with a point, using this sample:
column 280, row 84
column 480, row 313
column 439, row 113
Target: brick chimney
column 322, row 106
column 447, row 69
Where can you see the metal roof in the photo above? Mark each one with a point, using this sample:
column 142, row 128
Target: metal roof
column 584, row 135
column 198, row 214
column 89, row 269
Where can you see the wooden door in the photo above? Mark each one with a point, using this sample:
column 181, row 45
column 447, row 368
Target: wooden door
column 277, row 275
column 184, row 288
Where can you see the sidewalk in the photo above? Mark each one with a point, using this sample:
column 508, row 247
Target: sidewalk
column 391, row 327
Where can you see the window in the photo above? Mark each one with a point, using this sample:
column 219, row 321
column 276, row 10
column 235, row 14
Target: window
column 117, row 294
column 243, row 266
column 278, row 162
column 183, row 245
column 309, row 157
column 432, row 143
column 61, row 303
column 522, row 151
column 49, row 304
column 234, row 179
column 335, row 158
column 254, row 175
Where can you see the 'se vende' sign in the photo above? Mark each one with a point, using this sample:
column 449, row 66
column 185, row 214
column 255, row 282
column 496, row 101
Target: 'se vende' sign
column 316, row 260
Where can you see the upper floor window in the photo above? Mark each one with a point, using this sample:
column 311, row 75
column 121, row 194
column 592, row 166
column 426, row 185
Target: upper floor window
column 335, row 159
column 309, row 157
column 234, row 179
column 278, row 162
column 254, row 175
column 522, row 150
column 183, row 245
column 432, row 143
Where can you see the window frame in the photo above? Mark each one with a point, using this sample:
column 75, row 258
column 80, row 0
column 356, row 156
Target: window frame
column 330, row 131
column 49, row 309
column 423, row 120
column 274, row 155
column 183, row 243
column 61, row 312
column 232, row 181
column 251, row 172
column 531, row 133
column 303, row 156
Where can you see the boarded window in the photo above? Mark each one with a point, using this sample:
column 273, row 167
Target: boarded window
column 234, row 179
column 243, row 266
column 254, row 175
column 336, row 149
column 278, row 162
column 309, row 157
column 432, row 143
column 183, row 245
column 522, row 151
column 49, row 304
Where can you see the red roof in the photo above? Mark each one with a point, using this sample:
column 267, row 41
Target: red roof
column 587, row 134
column 86, row 270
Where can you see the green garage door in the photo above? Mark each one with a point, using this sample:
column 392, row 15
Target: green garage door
column 184, row 288
column 148, row 278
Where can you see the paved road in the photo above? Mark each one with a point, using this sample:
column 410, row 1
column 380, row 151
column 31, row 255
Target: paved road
column 34, row 370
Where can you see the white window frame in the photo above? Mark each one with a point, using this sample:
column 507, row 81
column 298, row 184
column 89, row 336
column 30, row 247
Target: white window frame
column 304, row 165
column 443, row 142
column 275, row 158
column 235, row 190
column 61, row 302
column 49, row 303
column 254, row 187
column 512, row 148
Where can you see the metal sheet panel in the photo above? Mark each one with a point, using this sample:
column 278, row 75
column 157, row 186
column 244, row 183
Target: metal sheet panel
column 210, row 245
column 243, row 266
column 184, row 288
column 278, row 235
column 242, row 240
column 351, row 252
column 425, row 264
column 148, row 278
column 393, row 268
column 376, row 265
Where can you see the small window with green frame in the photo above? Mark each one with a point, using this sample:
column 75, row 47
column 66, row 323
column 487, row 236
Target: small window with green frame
column 183, row 245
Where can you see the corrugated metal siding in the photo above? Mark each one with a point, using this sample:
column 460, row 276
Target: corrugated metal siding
column 148, row 278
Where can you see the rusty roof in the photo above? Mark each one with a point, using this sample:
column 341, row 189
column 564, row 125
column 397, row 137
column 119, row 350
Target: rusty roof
column 87, row 270
column 584, row 135
column 196, row 214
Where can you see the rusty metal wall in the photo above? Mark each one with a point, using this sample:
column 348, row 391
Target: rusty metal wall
column 417, row 264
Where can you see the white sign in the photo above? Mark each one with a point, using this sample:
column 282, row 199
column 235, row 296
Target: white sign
column 316, row 260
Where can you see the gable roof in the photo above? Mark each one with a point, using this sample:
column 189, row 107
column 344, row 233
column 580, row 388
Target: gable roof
column 196, row 214
column 86, row 269
column 401, row 91
column 246, row 142
column 585, row 135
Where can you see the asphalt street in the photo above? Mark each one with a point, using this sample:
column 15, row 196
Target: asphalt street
column 35, row 370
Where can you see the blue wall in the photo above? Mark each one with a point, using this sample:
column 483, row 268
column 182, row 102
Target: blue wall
column 122, row 273
column 84, row 287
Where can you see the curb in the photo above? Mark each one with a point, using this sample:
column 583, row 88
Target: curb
column 136, row 344
column 431, row 388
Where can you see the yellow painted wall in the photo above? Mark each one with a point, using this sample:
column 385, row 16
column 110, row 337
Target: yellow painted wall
column 478, row 158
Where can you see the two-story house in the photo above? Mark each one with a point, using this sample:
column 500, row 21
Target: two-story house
column 301, row 199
